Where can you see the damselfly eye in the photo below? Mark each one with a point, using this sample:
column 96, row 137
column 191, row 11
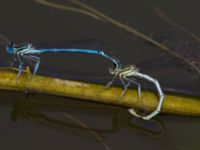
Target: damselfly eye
column 114, row 66
column 112, row 69
column 10, row 48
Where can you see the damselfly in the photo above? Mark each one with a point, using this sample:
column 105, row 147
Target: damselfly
column 128, row 75
column 125, row 74
column 28, row 51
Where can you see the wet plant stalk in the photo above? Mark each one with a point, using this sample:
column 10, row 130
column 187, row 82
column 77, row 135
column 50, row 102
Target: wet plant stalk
column 98, row 93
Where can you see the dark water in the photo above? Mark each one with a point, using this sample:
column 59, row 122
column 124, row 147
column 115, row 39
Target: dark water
column 48, row 122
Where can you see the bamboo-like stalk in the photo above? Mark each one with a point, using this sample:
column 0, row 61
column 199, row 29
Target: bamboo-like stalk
column 94, row 92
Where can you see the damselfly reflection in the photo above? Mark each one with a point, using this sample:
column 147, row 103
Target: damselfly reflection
column 56, row 112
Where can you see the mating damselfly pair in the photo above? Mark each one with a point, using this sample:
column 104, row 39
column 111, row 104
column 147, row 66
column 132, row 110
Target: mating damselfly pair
column 126, row 75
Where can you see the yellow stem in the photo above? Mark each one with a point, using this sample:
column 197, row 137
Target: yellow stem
column 173, row 104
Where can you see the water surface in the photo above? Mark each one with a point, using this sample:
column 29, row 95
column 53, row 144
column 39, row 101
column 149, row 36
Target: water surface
column 36, row 121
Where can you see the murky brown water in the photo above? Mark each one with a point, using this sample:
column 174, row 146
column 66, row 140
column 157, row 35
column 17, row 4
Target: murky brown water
column 48, row 122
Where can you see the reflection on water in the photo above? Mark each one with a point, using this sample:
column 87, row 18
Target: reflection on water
column 47, row 112
column 97, row 123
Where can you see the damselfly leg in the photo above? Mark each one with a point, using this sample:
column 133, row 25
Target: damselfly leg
column 13, row 62
column 136, row 83
column 21, row 58
column 125, row 85
column 35, row 59
column 110, row 83
column 21, row 64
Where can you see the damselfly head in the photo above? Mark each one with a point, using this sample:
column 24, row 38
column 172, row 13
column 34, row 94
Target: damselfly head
column 10, row 48
column 113, row 70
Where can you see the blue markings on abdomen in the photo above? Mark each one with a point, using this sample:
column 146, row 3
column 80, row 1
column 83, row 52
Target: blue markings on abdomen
column 75, row 50
column 67, row 50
